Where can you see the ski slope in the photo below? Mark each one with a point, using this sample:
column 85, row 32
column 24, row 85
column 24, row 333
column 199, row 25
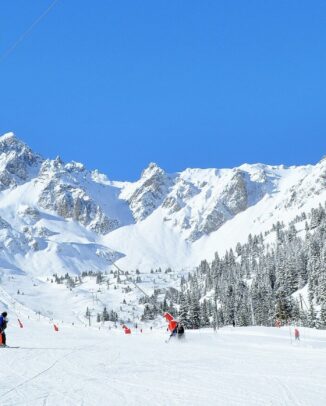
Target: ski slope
column 234, row 366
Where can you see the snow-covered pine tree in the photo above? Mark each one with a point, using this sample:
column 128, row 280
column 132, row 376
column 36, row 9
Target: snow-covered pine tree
column 184, row 310
column 194, row 311
column 204, row 314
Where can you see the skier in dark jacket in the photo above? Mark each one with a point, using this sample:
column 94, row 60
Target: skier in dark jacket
column 178, row 331
column 181, row 331
column 3, row 326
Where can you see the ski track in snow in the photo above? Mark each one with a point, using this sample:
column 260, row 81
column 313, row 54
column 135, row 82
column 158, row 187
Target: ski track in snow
column 78, row 366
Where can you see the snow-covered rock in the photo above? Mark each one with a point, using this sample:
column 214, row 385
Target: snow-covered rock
column 17, row 161
column 65, row 192
column 73, row 203
column 148, row 193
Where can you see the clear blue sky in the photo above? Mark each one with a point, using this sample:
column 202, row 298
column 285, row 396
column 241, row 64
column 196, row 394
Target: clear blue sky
column 212, row 83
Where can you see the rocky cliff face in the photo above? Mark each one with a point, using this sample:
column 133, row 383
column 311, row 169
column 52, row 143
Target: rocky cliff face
column 149, row 192
column 17, row 162
column 64, row 194
column 197, row 202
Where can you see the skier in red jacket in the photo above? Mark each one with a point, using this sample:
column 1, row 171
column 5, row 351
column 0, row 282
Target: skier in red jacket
column 297, row 334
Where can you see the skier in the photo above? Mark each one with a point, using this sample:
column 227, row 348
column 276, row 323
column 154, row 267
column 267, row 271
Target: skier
column 181, row 330
column 297, row 334
column 3, row 326
column 178, row 331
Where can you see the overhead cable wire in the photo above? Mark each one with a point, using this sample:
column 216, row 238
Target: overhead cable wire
column 130, row 280
column 28, row 31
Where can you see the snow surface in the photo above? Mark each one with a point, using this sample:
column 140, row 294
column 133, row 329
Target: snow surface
column 234, row 366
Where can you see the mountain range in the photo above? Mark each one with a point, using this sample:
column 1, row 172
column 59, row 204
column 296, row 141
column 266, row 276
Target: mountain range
column 58, row 217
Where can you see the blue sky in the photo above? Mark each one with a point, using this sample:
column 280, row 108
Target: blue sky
column 118, row 84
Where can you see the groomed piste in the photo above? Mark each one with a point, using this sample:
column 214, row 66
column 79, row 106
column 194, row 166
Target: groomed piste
column 80, row 365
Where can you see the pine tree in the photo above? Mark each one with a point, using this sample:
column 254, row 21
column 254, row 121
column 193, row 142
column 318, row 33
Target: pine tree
column 322, row 317
column 105, row 315
column 194, row 312
column 312, row 318
column 184, row 311
column 204, row 316
column 283, row 309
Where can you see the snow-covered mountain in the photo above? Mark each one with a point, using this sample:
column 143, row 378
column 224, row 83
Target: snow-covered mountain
column 61, row 217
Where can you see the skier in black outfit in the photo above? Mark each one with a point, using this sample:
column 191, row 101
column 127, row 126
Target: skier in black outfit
column 3, row 326
column 181, row 331
column 178, row 331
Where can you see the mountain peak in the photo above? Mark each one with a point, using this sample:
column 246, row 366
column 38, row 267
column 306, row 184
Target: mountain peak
column 151, row 170
column 17, row 161
column 10, row 143
column 7, row 136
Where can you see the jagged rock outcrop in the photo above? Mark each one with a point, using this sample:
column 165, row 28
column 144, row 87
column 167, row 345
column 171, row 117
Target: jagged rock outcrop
column 183, row 191
column 149, row 192
column 73, row 203
column 64, row 194
column 235, row 195
column 17, row 161
column 200, row 201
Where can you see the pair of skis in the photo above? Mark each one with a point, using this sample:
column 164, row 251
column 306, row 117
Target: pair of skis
column 179, row 338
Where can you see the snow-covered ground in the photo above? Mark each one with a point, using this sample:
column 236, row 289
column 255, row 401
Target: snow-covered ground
column 234, row 366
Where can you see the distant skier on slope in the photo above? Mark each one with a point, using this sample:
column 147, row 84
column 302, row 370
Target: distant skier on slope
column 3, row 326
column 297, row 334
